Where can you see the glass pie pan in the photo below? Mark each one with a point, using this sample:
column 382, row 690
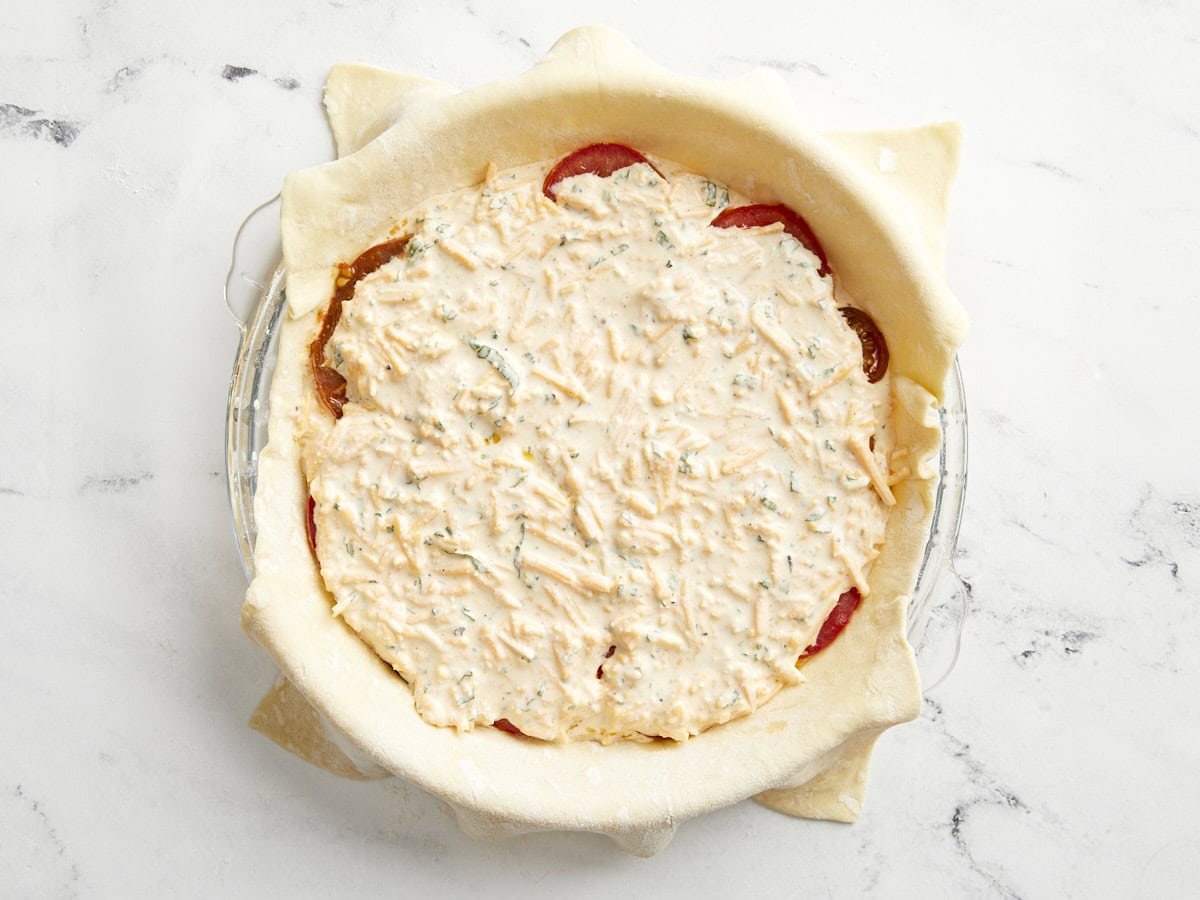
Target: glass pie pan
column 255, row 298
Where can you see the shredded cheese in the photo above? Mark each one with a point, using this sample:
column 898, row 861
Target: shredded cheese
column 589, row 424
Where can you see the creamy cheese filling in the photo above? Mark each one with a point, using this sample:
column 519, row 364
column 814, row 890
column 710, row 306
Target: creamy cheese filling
column 603, row 469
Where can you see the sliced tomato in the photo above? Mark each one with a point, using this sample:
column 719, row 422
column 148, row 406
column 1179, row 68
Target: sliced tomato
column 310, row 525
column 331, row 386
column 506, row 726
column 594, row 159
column 758, row 214
column 874, row 347
column 834, row 622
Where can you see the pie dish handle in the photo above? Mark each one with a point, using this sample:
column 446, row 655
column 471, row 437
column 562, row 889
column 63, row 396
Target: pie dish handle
column 937, row 636
column 253, row 296
column 256, row 254
column 939, row 609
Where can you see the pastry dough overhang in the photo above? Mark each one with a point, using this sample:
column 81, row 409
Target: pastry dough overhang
column 595, row 86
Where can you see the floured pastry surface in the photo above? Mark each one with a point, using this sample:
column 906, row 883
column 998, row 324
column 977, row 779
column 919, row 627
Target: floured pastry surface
column 594, row 86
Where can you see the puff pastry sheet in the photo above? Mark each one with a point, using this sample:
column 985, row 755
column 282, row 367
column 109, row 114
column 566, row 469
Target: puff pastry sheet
column 877, row 199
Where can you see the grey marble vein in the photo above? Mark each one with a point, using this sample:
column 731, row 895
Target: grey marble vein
column 114, row 484
column 37, row 860
column 504, row 35
column 781, row 65
column 19, row 121
column 1168, row 529
column 238, row 73
column 986, row 793
column 1053, row 169
column 125, row 76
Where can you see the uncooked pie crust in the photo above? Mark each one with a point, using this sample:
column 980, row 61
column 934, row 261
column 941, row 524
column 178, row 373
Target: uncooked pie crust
column 806, row 751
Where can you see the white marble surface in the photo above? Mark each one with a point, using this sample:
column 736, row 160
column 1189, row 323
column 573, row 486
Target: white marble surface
column 1059, row 760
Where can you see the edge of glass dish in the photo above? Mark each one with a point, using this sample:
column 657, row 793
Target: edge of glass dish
column 936, row 612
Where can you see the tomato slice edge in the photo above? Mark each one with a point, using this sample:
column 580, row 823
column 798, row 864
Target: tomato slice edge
column 835, row 622
column 756, row 215
column 331, row 386
column 310, row 525
column 875, row 349
column 601, row 159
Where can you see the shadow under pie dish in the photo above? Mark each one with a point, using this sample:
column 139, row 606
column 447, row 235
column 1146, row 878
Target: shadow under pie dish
column 592, row 89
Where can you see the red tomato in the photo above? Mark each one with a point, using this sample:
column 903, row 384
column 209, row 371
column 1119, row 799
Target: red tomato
column 310, row 526
column 834, row 622
column 331, row 386
column 874, row 347
column 594, row 159
column 759, row 214
column 506, row 726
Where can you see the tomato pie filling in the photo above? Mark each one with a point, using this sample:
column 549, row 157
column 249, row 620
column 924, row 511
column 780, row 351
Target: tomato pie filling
column 593, row 451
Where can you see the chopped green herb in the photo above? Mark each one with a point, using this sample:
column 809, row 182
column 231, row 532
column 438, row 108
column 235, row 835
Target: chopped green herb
column 484, row 352
column 685, row 465
column 480, row 567
column 517, row 551
column 715, row 195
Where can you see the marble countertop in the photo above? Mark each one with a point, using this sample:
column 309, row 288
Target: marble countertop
column 1060, row 759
